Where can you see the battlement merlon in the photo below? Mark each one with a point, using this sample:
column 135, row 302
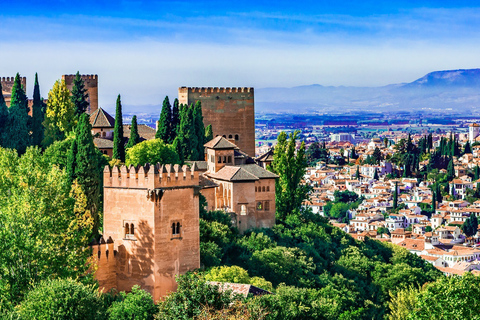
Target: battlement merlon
column 216, row 89
column 83, row 76
column 150, row 176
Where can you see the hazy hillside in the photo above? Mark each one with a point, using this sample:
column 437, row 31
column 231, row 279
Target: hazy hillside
column 437, row 91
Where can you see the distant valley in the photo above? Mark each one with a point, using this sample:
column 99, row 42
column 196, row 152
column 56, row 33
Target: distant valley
column 451, row 91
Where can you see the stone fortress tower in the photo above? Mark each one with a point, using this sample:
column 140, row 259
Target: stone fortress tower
column 473, row 132
column 230, row 111
column 7, row 84
column 91, row 84
column 151, row 219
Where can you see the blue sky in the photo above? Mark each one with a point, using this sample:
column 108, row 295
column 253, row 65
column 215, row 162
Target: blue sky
column 147, row 49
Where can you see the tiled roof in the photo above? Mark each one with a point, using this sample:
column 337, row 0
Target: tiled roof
column 103, row 143
column 101, row 119
column 145, row 132
column 257, row 171
column 220, row 143
column 231, row 173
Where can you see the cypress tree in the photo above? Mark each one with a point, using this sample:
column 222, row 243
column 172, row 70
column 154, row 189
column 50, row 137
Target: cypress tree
column 134, row 136
column 395, row 196
column 357, row 174
column 118, row 145
column 3, row 115
column 17, row 133
column 450, row 170
column 79, row 95
column 438, row 194
column 38, row 115
column 87, row 168
column 476, row 172
column 433, row 202
column 175, row 124
column 164, row 123
column 71, row 163
column 192, row 138
column 452, row 190
column 467, row 148
column 199, row 130
column 375, row 174
column 208, row 133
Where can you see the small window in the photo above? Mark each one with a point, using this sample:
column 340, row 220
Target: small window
column 129, row 231
column 263, row 189
column 243, row 211
column 229, row 159
column 176, row 228
column 255, row 189
column 219, row 159
column 224, row 159
column 236, row 137
column 267, row 206
column 230, row 136
column 259, row 205
column 268, row 188
column 132, row 229
column 225, row 136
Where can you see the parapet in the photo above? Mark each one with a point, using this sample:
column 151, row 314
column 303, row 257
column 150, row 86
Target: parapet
column 150, row 176
column 83, row 76
column 216, row 89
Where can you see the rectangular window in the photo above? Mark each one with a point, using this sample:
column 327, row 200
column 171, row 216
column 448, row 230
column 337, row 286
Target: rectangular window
column 219, row 159
column 267, row 206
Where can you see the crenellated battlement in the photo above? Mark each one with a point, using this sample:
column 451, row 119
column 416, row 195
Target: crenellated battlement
column 217, row 89
column 12, row 79
column 83, row 76
column 150, row 176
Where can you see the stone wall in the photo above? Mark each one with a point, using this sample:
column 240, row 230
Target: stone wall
column 230, row 111
column 7, row 84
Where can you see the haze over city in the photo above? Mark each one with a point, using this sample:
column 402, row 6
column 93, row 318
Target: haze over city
column 147, row 49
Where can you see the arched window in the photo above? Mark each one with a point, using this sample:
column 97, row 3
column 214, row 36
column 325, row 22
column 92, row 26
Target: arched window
column 127, row 229
column 243, row 211
column 263, row 189
column 230, row 136
column 224, row 159
column 255, row 189
column 219, row 159
column 236, row 137
column 268, row 188
column 229, row 159
column 178, row 228
column 225, row 136
column 267, row 206
column 132, row 229
column 173, row 228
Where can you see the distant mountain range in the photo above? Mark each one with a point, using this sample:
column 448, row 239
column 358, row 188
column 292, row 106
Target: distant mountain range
column 439, row 91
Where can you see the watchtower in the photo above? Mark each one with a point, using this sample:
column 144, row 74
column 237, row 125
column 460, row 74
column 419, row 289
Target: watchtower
column 230, row 111
column 151, row 216
column 91, row 84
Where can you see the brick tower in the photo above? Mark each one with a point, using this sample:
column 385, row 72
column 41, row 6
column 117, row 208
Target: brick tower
column 151, row 219
column 91, row 84
column 230, row 111
column 7, row 84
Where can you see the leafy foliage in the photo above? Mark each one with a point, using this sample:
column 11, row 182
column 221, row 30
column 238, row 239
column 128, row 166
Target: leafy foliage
column 151, row 151
column 136, row 305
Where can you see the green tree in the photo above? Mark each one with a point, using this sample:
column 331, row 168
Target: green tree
column 17, row 131
column 208, row 133
column 3, row 116
column 234, row 274
column 151, row 151
column 375, row 175
column 62, row 299
column 134, row 136
column 395, row 196
column 377, row 156
column 79, row 96
column 450, row 170
column 88, row 168
column 357, row 173
column 60, row 113
column 449, row 298
column 192, row 296
column 71, row 162
column 118, row 144
column 175, row 124
column 137, row 305
column 164, row 131
column 44, row 226
column 467, row 148
column 402, row 303
column 290, row 167
column 38, row 115
column 199, row 130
